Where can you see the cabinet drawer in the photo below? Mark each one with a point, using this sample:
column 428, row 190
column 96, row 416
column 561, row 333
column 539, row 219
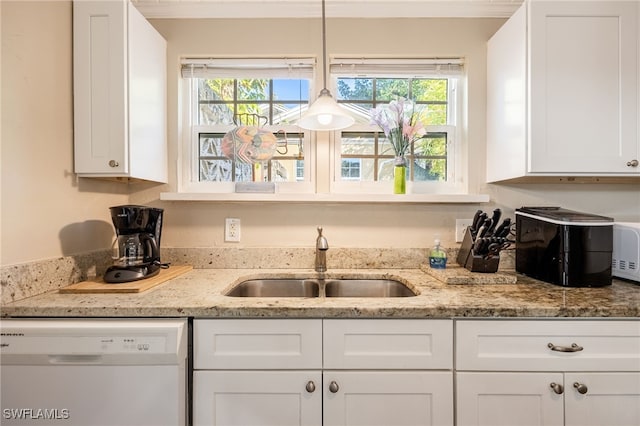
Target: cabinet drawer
column 548, row 345
column 388, row 344
column 257, row 344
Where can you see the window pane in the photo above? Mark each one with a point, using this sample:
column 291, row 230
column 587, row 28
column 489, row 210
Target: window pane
column 210, row 146
column 367, row 169
column 429, row 90
column 355, row 89
column 290, row 90
column 385, row 169
column 216, row 114
column 215, row 170
column 253, row 89
column 385, row 146
column 388, row 89
column 358, row 143
column 216, row 89
column 434, row 144
column 247, row 112
column 430, row 170
column 360, row 111
column 286, row 113
column 286, row 170
column 435, row 115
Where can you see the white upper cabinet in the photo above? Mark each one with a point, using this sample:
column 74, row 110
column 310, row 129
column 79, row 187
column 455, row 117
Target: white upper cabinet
column 119, row 93
column 562, row 91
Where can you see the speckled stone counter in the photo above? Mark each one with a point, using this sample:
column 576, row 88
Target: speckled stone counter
column 200, row 293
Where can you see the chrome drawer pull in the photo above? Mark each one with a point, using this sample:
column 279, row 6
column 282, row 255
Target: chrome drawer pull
column 333, row 387
column 574, row 348
column 581, row 388
column 557, row 388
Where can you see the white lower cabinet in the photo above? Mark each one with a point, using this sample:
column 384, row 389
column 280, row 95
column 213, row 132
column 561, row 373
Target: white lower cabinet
column 573, row 373
column 396, row 372
column 253, row 372
column 508, row 399
column 244, row 398
column 388, row 398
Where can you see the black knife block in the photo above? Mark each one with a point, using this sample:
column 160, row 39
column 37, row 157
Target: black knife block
column 472, row 261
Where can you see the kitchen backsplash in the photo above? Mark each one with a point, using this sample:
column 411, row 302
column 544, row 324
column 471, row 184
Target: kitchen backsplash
column 30, row 279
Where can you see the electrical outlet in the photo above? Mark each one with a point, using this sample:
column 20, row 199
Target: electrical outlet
column 232, row 229
column 461, row 227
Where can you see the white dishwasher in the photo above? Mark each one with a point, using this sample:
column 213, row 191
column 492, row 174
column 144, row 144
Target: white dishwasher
column 107, row 372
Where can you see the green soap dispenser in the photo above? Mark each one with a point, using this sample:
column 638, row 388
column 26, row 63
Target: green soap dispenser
column 437, row 256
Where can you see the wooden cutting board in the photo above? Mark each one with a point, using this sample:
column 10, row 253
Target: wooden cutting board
column 97, row 285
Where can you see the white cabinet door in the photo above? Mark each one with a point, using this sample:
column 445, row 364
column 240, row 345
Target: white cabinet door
column 257, row 398
column 583, row 87
column 609, row 399
column 119, row 62
column 509, row 399
column 99, row 73
column 388, row 398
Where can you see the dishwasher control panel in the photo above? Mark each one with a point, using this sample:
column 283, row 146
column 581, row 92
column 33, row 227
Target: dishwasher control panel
column 88, row 342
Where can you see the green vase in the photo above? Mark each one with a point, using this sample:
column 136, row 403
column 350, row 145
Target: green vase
column 400, row 176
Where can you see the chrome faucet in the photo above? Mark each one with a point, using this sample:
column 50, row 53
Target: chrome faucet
column 321, row 252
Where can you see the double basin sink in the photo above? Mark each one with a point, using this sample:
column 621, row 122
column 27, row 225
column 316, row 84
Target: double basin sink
column 317, row 287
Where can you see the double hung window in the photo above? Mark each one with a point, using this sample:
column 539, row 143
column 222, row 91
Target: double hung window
column 363, row 157
column 265, row 97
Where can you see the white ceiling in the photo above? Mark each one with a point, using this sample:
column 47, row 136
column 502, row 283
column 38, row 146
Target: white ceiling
column 334, row 8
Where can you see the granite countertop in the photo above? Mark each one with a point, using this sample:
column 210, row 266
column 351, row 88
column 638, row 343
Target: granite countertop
column 199, row 293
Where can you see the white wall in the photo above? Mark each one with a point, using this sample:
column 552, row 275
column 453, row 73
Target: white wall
column 47, row 212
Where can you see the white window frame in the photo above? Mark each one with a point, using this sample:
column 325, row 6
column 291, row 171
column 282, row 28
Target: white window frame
column 188, row 161
column 457, row 175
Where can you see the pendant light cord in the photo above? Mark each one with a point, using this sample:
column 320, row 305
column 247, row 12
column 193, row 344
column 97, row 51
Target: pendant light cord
column 324, row 50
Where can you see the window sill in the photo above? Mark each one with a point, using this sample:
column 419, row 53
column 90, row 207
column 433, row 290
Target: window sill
column 328, row 198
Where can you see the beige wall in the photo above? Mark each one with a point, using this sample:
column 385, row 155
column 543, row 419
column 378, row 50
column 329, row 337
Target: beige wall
column 46, row 211
column 42, row 201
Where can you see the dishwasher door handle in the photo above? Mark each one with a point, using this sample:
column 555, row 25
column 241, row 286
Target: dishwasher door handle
column 90, row 359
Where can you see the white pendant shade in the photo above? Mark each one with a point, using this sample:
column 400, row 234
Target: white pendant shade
column 325, row 114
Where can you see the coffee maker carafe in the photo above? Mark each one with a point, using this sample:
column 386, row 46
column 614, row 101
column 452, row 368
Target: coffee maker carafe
column 136, row 250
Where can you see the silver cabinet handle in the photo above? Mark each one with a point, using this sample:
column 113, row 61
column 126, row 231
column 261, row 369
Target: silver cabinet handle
column 113, row 163
column 574, row 348
column 333, row 387
column 311, row 387
column 581, row 388
column 633, row 163
column 557, row 388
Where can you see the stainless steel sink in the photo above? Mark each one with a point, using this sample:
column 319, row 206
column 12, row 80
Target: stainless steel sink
column 313, row 287
column 366, row 288
column 276, row 288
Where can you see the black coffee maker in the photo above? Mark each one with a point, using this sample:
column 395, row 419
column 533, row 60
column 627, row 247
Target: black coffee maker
column 136, row 250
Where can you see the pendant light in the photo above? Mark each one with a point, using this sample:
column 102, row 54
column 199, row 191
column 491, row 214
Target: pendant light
column 325, row 113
